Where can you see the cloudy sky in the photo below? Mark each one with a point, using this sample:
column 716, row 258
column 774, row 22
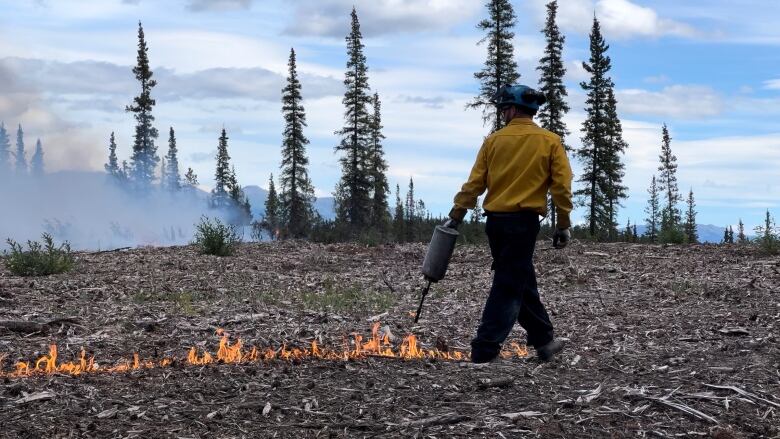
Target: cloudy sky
column 708, row 69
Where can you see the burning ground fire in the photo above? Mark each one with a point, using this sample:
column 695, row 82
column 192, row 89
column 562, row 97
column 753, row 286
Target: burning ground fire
column 236, row 353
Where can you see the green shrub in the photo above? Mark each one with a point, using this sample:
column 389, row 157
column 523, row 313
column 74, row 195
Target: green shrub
column 215, row 238
column 40, row 259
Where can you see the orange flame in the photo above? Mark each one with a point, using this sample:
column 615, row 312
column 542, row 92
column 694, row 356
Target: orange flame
column 377, row 345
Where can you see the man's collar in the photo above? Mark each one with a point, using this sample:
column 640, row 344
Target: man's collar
column 522, row 121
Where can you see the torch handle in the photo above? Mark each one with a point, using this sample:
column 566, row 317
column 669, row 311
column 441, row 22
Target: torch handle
column 422, row 299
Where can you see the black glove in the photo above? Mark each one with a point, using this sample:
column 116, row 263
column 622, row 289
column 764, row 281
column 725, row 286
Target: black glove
column 561, row 238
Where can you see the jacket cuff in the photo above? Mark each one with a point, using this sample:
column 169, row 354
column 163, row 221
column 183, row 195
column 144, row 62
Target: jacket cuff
column 563, row 221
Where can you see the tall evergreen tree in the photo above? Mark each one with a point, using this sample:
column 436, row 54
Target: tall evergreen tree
column 551, row 72
column 353, row 191
column 5, row 151
column 172, row 180
column 596, row 142
column 36, row 162
column 144, row 158
column 222, row 173
column 612, row 163
column 691, row 235
column 21, row 155
column 667, row 182
column 297, row 192
column 239, row 198
column 653, row 210
column 379, row 216
column 112, row 167
column 398, row 216
column 272, row 210
column 500, row 65
column 410, row 212
column 741, row 238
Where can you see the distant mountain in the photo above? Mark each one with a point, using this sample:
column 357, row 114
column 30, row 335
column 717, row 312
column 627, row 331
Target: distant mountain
column 707, row 232
column 258, row 195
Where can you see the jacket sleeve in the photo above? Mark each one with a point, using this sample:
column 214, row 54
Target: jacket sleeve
column 474, row 187
column 560, row 189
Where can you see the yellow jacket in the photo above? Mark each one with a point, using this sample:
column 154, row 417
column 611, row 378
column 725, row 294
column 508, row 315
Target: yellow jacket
column 518, row 165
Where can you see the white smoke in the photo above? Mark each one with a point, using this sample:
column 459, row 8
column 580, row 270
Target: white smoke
column 90, row 212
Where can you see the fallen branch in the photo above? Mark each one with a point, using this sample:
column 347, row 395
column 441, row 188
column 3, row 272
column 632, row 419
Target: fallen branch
column 445, row 419
column 486, row 383
column 28, row 327
column 111, row 251
column 684, row 408
column 744, row 393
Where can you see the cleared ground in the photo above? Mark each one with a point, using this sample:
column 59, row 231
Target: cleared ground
column 662, row 342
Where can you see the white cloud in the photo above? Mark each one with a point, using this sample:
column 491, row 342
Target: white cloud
column 379, row 17
column 218, row 5
column 618, row 18
column 675, row 102
column 773, row 84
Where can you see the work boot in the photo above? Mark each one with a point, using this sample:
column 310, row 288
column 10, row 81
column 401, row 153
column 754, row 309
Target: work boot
column 548, row 351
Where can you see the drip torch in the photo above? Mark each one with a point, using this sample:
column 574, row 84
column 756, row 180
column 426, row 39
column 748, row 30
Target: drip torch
column 437, row 258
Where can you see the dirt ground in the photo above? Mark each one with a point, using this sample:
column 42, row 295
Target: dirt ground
column 679, row 341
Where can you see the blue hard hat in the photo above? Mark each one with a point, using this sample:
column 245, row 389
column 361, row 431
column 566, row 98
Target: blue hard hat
column 521, row 95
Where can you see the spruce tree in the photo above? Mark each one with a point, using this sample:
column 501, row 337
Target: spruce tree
column 112, row 167
column 667, row 183
column 5, row 151
column 731, row 235
column 398, row 216
column 768, row 236
column 36, row 162
column 191, row 179
column 410, row 212
column 596, row 143
column 653, row 210
column 21, row 155
column 222, row 173
column 741, row 238
column 240, row 200
column 551, row 72
column 612, row 163
column 691, row 235
column 379, row 216
column 172, row 180
column 353, row 191
column 144, row 158
column 500, row 65
column 627, row 231
column 272, row 210
column 297, row 193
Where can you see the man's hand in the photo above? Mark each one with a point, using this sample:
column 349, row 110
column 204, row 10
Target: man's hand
column 561, row 238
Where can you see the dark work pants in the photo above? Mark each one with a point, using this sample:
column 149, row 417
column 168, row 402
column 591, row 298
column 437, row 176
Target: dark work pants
column 514, row 295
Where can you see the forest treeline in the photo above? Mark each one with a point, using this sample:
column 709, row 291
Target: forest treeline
column 362, row 197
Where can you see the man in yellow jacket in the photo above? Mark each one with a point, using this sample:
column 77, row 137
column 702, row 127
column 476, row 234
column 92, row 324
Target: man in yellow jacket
column 517, row 165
